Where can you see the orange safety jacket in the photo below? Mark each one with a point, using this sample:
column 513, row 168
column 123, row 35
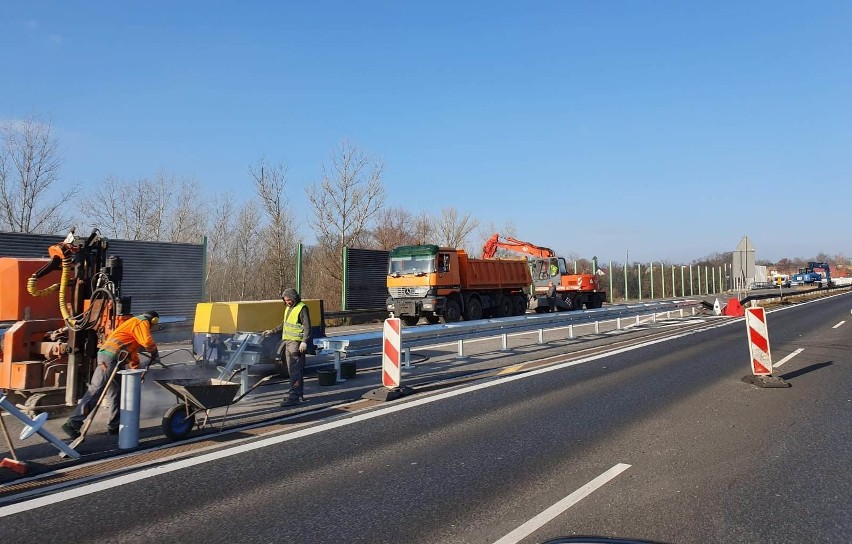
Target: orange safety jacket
column 131, row 335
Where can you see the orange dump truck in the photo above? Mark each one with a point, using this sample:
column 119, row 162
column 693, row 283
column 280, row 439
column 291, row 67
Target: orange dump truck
column 432, row 282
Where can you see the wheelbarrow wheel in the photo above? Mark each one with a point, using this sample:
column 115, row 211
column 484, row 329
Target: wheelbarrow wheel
column 176, row 424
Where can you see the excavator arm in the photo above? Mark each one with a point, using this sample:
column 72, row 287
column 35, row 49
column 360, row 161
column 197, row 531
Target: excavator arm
column 496, row 242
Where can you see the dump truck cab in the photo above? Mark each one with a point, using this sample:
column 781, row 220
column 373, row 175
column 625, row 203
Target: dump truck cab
column 416, row 275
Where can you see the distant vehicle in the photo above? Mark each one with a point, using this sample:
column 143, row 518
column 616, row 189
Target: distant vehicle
column 809, row 276
column 781, row 280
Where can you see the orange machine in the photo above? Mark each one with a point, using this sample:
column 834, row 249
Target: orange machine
column 573, row 290
column 441, row 282
column 49, row 336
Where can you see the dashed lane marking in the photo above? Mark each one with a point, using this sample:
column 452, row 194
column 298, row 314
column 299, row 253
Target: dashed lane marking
column 787, row 358
column 538, row 521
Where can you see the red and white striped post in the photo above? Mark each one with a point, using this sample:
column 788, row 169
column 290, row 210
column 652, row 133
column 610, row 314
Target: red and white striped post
column 391, row 388
column 758, row 349
column 391, row 353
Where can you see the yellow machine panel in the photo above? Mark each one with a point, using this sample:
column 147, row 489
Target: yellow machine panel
column 249, row 316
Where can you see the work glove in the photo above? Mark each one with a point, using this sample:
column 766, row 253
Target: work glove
column 303, row 347
column 266, row 333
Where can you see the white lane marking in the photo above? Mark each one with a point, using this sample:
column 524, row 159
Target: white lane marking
column 787, row 358
column 838, row 325
column 151, row 472
column 537, row 522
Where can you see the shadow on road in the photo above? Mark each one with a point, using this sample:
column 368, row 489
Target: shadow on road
column 805, row 370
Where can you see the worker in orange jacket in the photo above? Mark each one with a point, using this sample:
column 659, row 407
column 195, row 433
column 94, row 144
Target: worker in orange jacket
column 120, row 347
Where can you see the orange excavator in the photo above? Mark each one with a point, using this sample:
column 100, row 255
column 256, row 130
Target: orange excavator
column 49, row 336
column 573, row 291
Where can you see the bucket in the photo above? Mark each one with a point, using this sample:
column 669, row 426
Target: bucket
column 327, row 377
column 348, row 370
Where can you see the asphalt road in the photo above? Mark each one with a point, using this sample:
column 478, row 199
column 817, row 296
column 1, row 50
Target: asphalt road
column 666, row 440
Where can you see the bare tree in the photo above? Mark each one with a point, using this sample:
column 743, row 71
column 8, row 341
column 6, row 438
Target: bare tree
column 423, row 228
column 393, row 227
column 452, row 229
column 279, row 236
column 139, row 210
column 346, row 199
column 221, row 226
column 105, row 208
column 161, row 195
column 244, row 252
column 348, row 196
column 29, row 168
column 188, row 220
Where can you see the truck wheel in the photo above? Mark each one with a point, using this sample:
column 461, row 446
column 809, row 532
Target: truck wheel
column 520, row 304
column 503, row 308
column 452, row 312
column 433, row 319
column 410, row 320
column 474, row 310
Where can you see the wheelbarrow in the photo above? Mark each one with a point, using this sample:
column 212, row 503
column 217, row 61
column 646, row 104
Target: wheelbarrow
column 195, row 396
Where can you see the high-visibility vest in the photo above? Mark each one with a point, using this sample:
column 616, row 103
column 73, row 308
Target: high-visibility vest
column 130, row 336
column 292, row 327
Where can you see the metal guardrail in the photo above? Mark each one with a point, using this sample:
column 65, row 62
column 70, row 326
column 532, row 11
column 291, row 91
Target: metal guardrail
column 791, row 292
column 426, row 335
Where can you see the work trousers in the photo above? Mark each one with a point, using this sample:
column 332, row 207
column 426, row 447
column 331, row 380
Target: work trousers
column 106, row 362
column 296, row 367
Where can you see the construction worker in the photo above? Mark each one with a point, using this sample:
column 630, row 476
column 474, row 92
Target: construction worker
column 120, row 347
column 296, row 333
column 551, row 296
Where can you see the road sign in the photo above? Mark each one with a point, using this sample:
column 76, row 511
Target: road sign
column 758, row 341
column 390, row 353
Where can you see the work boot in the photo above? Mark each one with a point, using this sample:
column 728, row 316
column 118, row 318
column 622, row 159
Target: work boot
column 112, row 431
column 292, row 401
column 71, row 430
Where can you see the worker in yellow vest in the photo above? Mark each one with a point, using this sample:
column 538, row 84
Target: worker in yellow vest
column 296, row 333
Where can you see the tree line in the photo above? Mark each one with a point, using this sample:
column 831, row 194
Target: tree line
column 252, row 244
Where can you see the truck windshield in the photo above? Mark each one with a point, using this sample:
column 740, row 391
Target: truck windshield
column 411, row 264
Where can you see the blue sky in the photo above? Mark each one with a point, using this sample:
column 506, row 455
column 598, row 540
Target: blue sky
column 668, row 129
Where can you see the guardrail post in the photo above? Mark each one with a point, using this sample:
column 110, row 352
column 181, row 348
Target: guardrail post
column 654, row 317
column 597, row 327
column 618, row 323
column 461, row 349
column 504, row 338
column 407, row 362
column 681, row 312
column 693, row 310
column 541, row 336
column 668, row 314
column 637, row 320
column 571, row 331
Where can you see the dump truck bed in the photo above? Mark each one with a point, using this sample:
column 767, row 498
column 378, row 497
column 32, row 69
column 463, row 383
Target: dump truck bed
column 482, row 274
